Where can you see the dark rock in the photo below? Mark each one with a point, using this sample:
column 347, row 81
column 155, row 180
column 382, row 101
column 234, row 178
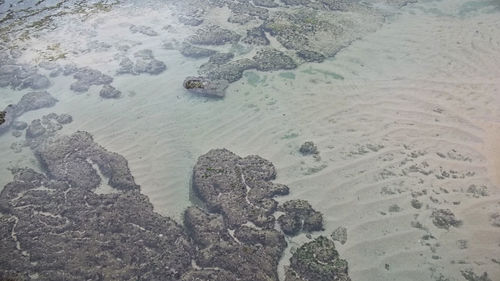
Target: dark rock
column 64, row 119
column 272, row 59
column 79, row 151
column 415, row 203
column 192, row 21
column 108, row 236
column 340, row 234
column 317, row 261
column 256, row 36
column 214, row 35
column 109, row 92
column 238, row 188
column 7, row 116
column 310, row 56
column 220, row 58
column 265, row 3
column 33, row 101
column 189, row 50
column 206, row 87
column 299, row 215
column 146, row 30
column 469, row 275
column 2, row 117
column 444, row 218
column 19, row 125
column 87, row 77
column 209, row 275
column 308, row 148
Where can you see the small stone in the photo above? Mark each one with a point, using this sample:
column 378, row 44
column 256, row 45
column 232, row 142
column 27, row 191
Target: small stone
column 308, row 148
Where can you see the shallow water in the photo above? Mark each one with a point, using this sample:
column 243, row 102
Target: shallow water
column 404, row 108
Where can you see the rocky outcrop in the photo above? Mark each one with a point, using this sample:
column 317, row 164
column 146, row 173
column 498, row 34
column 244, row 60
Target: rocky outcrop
column 317, row 261
column 55, row 226
column 299, row 215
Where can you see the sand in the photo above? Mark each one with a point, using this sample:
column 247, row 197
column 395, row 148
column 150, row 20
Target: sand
column 413, row 106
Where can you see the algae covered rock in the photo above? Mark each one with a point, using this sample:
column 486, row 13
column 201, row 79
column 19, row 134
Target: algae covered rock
column 317, row 261
column 206, row 87
column 444, row 218
column 299, row 215
column 272, row 59
column 308, row 148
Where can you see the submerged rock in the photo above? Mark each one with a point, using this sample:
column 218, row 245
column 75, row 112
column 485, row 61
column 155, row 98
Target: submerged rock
column 340, row 234
column 189, row 50
column 2, row 117
column 272, row 59
column 444, row 218
column 214, row 35
column 317, row 261
column 231, row 71
column 308, row 148
column 146, row 30
column 109, row 92
column 192, row 21
column 22, row 76
column 206, row 87
column 310, row 56
column 35, row 100
column 220, row 58
column 87, row 77
column 145, row 62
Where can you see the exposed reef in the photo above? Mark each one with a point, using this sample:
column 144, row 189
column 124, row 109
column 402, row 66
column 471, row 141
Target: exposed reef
column 55, row 226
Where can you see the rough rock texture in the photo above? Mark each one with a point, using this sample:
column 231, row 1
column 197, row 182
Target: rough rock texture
column 189, row 50
column 205, row 87
column 109, row 92
column 308, row 148
column 189, row 20
column 145, row 62
column 2, row 117
column 256, row 36
column 444, row 218
column 317, row 261
column 265, row 3
column 220, row 58
column 68, row 233
column 299, row 215
column 146, row 30
column 272, row 59
column 238, row 188
column 87, row 77
column 214, row 35
column 56, row 227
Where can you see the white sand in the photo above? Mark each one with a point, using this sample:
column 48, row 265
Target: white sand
column 426, row 84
